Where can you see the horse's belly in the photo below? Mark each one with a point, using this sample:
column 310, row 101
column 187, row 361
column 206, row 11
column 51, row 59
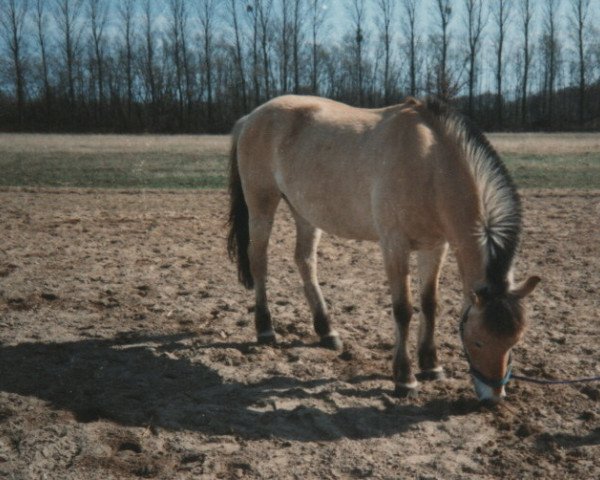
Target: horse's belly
column 344, row 226
column 336, row 214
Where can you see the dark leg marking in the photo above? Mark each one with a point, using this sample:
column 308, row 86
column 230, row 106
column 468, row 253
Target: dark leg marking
column 329, row 338
column 428, row 360
column 264, row 327
column 427, row 350
column 406, row 383
column 321, row 323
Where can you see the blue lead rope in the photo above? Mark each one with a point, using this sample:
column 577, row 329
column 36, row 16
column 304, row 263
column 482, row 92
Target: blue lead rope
column 543, row 381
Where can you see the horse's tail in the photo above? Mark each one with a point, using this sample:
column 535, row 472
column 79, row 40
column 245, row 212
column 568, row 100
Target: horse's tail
column 238, row 238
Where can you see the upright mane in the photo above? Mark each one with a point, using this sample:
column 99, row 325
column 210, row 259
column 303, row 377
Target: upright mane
column 499, row 228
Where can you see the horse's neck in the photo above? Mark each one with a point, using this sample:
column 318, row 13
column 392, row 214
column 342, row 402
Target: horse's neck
column 471, row 264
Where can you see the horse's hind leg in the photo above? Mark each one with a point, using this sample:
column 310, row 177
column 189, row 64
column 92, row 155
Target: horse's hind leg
column 305, row 256
column 429, row 262
column 261, row 210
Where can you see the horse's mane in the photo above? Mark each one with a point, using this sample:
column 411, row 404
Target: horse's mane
column 500, row 228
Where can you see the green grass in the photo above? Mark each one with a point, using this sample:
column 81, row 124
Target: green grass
column 555, row 171
column 136, row 162
column 109, row 170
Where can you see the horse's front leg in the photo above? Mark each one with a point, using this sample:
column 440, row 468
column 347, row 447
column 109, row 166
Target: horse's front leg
column 429, row 262
column 395, row 256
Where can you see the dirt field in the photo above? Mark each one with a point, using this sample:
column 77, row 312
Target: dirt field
column 126, row 351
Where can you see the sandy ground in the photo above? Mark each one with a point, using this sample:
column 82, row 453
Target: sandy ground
column 126, row 351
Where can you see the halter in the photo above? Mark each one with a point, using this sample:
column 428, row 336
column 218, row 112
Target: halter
column 472, row 370
column 500, row 383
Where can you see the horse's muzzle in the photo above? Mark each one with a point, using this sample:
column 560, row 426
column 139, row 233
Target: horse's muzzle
column 487, row 393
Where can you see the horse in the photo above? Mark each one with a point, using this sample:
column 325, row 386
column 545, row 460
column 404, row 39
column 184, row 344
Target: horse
column 417, row 176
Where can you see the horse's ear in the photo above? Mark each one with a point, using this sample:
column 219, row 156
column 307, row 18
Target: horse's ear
column 526, row 287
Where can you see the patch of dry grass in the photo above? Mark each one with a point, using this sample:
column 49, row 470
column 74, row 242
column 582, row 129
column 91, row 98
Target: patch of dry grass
column 129, row 144
column 546, row 143
column 505, row 143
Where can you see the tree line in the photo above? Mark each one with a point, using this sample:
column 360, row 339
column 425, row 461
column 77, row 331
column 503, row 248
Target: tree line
column 198, row 65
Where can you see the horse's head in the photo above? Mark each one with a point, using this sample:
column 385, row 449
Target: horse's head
column 491, row 326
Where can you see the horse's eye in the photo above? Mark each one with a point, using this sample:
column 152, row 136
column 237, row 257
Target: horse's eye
column 478, row 344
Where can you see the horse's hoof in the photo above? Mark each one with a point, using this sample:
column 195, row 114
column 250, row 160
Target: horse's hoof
column 267, row 338
column 332, row 342
column 403, row 390
column 431, row 374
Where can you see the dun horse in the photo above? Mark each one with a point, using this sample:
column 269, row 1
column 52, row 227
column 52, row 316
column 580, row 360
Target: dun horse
column 412, row 177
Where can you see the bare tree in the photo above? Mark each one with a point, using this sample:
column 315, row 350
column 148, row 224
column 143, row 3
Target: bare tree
column 264, row 8
column 525, row 13
column 551, row 52
column 475, row 24
column 98, row 16
column 12, row 21
column 409, row 28
column 186, row 60
column 149, row 53
column 252, row 11
column 126, row 18
column 178, row 24
column 286, row 27
column 207, row 14
column 40, row 18
column 259, row 15
column 296, row 39
column 579, row 24
column 500, row 12
column 357, row 14
column 386, row 13
column 317, row 14
column 67, row 20
column 239, row 59
column 444, row 11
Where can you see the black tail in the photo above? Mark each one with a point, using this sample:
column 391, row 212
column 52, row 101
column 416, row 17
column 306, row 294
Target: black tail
column 239, row 233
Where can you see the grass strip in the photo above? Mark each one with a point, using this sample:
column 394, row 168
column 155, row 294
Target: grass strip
column 209, row 170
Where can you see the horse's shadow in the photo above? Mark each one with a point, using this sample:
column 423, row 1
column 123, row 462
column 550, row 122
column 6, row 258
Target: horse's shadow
column 138, row 381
